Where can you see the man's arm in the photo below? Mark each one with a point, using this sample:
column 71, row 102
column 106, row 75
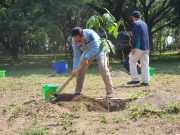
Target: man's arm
column 78, row 61
column 77, row 55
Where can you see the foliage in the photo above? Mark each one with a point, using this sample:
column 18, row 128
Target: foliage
column 111, row 26
column 39, row 26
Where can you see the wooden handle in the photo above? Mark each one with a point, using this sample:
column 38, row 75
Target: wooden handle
column 64, row 85
column 71, row 77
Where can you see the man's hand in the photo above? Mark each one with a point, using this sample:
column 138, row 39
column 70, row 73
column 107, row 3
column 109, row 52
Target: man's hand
column 75, row 72
column 84, row 62
column 133, row 51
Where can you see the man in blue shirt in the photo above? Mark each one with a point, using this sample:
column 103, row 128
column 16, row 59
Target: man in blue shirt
column 140, row 50
column 86, row 47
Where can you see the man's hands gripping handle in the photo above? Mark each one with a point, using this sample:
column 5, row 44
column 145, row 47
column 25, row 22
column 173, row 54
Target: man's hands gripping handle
column 84, row 63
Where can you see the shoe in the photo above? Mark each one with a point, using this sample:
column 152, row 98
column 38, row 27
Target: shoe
column 133, row 82
column 144, row 84
column 77, row 94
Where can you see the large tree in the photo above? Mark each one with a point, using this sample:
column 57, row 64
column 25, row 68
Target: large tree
column 62, row 16
column 15, row 19
column 34, row 24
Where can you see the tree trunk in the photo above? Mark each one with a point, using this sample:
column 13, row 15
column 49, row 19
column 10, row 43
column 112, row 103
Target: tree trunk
column 151, row 41
column 11, row 42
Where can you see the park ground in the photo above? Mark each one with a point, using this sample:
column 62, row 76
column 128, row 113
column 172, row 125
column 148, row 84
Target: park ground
column 134, row 110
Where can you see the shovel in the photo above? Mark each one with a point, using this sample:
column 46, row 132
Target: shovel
column 51, row 91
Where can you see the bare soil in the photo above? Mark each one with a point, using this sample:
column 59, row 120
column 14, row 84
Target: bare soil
column 23, row 108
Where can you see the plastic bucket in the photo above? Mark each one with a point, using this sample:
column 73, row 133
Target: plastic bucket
column 61, row 67
column 49, row 90
column 2, row 73
column 151, row 71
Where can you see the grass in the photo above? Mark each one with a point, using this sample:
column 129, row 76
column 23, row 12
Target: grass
column 171, row 107
column 147, row 110
column 118, row 119
column 103, row 118
column 166, row 63
column 24, row 83
column 36, row 131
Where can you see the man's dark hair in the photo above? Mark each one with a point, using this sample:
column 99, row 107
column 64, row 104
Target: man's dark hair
column 76, row 31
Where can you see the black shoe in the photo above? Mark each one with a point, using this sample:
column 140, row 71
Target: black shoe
column 144, row 84
column 133, row 82
column 77, row 94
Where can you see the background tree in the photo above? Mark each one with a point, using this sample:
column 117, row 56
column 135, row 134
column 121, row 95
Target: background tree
column 39, row 26
column 153, row 12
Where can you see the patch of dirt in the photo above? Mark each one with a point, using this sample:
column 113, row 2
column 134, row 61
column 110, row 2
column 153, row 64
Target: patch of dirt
column 118, row 73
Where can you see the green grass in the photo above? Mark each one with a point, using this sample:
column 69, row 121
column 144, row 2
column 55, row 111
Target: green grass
column 118, row 119
column 36, row 131
column 147, row 110
column 24, row 83
column 103, row 118
column 168, row 63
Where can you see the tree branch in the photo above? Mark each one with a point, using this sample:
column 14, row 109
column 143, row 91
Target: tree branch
column 162, row 26
column 150, row 4
column 163, row 15
column 143, row 3
column 160, row 10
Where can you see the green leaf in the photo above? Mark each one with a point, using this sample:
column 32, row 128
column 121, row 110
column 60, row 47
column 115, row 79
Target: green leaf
column 115, row 31
column 90, row 22
column 93, row 21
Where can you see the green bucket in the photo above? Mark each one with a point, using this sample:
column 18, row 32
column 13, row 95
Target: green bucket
column 2, row 73
column 151, row 71
column 50, row 90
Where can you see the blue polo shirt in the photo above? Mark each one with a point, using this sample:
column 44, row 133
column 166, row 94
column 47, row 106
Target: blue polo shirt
column 140, row 35
column 88, row 49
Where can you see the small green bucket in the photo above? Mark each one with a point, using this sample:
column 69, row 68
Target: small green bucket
column 49, row 90
column 2, row 73
column 151, row 71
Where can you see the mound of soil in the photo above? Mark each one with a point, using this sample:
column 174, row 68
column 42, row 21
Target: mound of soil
column 157, row 99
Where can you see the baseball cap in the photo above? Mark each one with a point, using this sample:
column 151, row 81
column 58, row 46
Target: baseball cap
column 136, row 14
